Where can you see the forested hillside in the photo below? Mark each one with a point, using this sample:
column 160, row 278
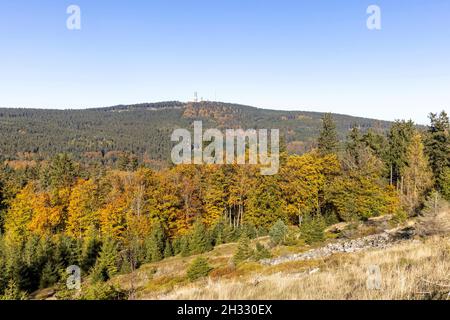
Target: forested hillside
column 143, row 130
column 111, row 221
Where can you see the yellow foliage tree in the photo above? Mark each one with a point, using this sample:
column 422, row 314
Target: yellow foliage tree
column 83, row 214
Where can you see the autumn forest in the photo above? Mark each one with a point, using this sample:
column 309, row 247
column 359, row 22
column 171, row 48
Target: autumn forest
column 111, row 218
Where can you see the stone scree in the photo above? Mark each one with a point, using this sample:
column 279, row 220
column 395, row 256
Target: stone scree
column 378, row 241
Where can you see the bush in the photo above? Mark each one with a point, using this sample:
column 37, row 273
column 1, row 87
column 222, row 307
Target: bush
column 312, row 229
column 13, row 292
column 198, row 269
column 102, row 291
column 278, row 232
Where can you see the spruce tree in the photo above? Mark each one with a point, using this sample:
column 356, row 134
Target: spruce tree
column 328, row 140
column 107, row 263
column 278, row 232
column 200, row 240
column 243, row 251
column 399, row 138
column 438, row 148
column 168, row 252
column 198, row 269
column 155, row 244
column 261, row 252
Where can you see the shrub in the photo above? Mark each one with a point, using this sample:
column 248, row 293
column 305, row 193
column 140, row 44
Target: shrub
column 198, row 269
column 278, row 232
column 13, row 292
column 102, row 291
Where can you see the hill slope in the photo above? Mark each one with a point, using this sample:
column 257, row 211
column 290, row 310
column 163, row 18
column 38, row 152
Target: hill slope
column 145, row 129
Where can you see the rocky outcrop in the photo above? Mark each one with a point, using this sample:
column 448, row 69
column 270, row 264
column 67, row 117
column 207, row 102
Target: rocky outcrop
column 378, row 241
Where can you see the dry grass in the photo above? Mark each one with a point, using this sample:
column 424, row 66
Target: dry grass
column 412, row 270
column 418, row 269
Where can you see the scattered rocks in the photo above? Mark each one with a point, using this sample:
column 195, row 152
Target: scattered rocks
column 379, row 241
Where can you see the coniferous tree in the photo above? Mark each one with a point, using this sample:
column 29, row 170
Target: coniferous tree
column 62, row 171
column 244, row 250
column 168, row 252
column 106, row 265
column 261, row 252
column 198, row 269
column 399, row 138
column 200, row 240
column 438, row 148
column 155, row 244
column 328, row 141
column 278, row 232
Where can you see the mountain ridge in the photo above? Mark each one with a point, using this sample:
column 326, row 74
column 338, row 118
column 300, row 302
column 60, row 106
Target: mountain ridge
column 144, row 129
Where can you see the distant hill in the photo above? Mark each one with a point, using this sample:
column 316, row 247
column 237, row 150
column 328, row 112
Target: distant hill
column 145, row 129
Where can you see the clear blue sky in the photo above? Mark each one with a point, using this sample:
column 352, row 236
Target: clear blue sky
column 295, row 55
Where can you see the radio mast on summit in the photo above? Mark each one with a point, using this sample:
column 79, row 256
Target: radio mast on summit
column 195, row 96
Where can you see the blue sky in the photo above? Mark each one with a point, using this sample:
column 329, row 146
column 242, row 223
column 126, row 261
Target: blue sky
column 293, row 55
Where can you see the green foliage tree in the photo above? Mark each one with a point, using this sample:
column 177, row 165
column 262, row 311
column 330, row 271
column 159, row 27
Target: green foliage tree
column 200, row 240
column 328, row 141
column 244, row 251
column 437, row 144
column 168, row 251
column 278, row 232
column 62, row 171
column 199, row 268
column 399, row 139
column 312, row 229
column 261, row 252
column 155, row 244
column 106, row 265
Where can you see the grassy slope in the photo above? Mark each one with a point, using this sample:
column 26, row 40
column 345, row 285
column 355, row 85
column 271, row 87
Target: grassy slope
column 415, row 269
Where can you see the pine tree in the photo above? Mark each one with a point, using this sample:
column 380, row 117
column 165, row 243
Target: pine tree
column 62, row 171
column 312, row 229
column 168, row 252
column 354, row 144
column 399, row 139
column 278, row 232
column 107, row 263
column 200, row 240
column 261, row 252
column 243, row 251
column 184, row 246
column 438, row 147
column 90, row 249
column 155, row 244
column 123, row 162
column 328, row 140
column 199, row 268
